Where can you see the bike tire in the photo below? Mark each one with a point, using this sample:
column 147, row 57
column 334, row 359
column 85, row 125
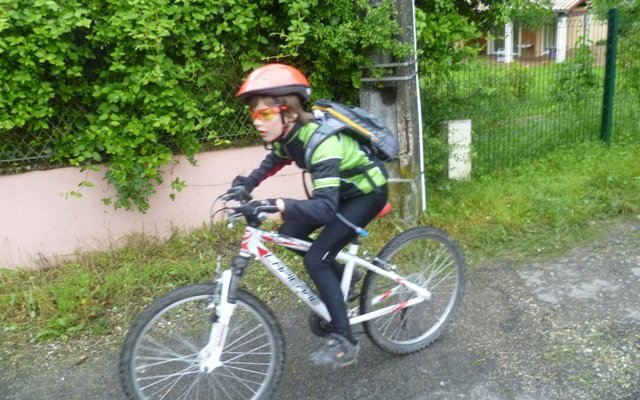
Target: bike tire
column 430, row 258
column 159, row 360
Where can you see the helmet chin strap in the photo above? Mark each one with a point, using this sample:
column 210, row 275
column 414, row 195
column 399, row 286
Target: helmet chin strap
column 285, row 125
column 287, row 130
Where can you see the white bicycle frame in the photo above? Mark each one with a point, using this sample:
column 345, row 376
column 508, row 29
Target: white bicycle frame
column 253, row 245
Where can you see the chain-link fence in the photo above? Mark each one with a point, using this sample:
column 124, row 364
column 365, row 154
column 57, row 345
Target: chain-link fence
column 231, row 120
column 22, row 149
column 19, row 146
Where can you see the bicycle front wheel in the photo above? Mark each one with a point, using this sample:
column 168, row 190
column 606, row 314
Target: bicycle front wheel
column 429, row 258
column 160, row 356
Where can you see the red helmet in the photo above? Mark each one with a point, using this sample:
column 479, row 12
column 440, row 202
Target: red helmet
column 275, row 80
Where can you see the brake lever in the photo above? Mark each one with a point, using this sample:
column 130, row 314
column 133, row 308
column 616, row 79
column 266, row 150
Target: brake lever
column 237, row 193
column 232, row 221
column 232, row 216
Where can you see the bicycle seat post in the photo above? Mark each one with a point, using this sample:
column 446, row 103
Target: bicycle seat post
column 352, row 249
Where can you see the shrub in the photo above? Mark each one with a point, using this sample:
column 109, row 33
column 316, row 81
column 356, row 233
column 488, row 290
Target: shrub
column 137, row 81
column 575, row 79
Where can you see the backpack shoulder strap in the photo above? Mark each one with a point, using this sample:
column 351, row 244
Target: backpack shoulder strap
column 326, row 129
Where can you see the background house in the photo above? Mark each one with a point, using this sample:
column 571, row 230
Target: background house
column 573, row 24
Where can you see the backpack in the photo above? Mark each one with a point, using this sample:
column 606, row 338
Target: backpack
column 358, row 123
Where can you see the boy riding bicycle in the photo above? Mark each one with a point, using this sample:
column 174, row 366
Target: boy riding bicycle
column 276, row 94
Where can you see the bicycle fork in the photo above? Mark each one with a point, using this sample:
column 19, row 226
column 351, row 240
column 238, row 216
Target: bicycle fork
column 223, row 307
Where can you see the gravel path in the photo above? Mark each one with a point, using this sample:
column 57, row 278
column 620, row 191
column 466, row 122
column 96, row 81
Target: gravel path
column 566, row 328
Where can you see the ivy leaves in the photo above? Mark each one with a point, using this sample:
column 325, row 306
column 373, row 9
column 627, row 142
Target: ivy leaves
column 138, row 80
column 36, row 43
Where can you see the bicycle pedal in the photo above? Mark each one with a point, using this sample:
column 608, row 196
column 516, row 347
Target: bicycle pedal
column 318, row 326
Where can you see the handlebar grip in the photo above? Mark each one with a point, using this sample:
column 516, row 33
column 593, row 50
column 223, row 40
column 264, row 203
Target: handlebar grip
column 264, row 212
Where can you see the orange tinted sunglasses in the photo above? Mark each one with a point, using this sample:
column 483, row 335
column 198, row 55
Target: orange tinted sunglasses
column 267, row 113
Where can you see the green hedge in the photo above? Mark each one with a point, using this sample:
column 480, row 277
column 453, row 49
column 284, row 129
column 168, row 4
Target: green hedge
column 139, row 79
column 136, row 81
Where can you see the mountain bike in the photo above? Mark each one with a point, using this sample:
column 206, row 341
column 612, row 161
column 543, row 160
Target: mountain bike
column 219, row 341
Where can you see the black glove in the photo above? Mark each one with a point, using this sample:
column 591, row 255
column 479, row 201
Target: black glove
column 257, row 206
column 247, row 183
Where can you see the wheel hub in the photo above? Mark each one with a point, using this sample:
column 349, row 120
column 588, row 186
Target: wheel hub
column 416, row 279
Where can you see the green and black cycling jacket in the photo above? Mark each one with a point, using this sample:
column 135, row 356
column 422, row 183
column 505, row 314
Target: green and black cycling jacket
column 331, row 168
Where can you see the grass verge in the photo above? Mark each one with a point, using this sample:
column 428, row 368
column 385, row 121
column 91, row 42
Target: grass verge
column 540, row 208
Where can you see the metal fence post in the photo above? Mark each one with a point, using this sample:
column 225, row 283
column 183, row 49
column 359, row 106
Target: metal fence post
column 609, row 76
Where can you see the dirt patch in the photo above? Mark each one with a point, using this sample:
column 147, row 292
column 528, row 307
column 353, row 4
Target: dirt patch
column 566, row 328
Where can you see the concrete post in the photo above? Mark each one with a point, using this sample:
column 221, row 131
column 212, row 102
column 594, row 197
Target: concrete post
column 458, row 134
column 396, row 99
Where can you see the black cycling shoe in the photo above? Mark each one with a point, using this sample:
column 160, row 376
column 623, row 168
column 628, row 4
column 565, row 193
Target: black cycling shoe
column 336, row 351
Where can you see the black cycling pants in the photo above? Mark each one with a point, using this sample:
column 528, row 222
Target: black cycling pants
column 320, row 261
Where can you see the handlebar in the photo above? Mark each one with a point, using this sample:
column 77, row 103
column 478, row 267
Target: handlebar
column 254, row 215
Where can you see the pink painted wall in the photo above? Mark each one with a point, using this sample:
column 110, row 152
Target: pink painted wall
column 40, row 226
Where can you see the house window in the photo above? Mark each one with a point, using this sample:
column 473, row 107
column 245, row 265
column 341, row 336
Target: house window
column 497, row 45
column 548, row 38
column 517, row 38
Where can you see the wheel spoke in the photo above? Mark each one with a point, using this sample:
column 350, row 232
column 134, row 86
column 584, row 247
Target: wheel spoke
column 428, row 258
column 161, row 355
column 171, row 384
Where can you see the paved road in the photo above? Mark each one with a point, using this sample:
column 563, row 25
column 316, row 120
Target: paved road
column 567, row 328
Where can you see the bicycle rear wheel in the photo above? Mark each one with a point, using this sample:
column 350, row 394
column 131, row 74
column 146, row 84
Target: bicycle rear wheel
column 426, row 257
column 159, row 358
